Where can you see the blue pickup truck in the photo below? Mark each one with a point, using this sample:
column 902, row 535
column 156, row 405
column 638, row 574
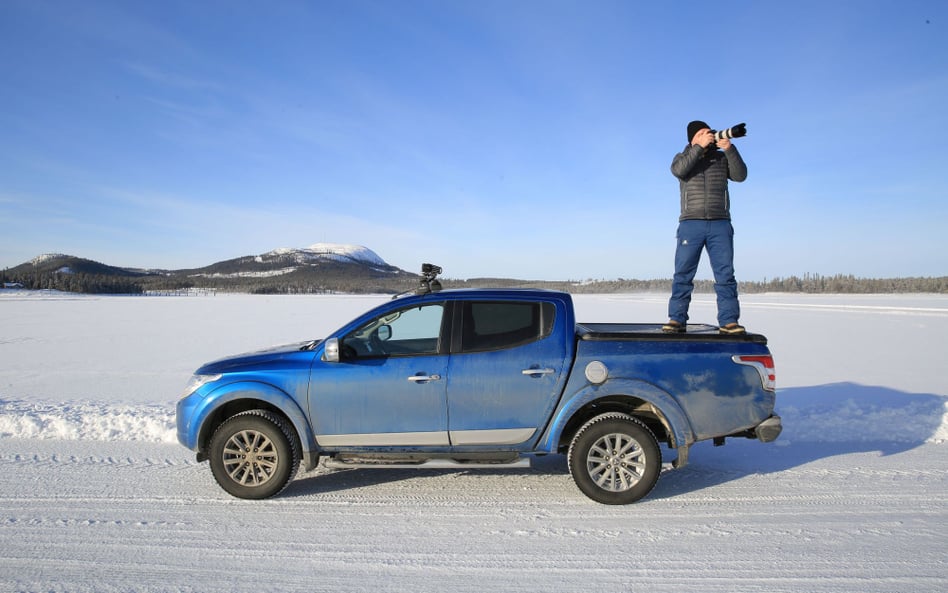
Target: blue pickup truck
column 479, row 378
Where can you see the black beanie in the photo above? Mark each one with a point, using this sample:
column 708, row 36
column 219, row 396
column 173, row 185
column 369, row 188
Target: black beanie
column 695, row 127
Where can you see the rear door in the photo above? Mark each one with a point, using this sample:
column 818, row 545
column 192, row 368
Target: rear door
column 506, row 371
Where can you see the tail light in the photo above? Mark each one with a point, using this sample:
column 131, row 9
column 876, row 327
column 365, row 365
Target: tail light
column 764, row 366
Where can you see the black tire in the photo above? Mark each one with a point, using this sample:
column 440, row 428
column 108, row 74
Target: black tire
column 614, row 459
column 254, row 454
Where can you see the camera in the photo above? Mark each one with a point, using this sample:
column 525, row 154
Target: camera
column 429, row 282
column 737, row 131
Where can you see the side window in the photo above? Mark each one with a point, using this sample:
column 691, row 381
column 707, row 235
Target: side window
column 498, row 325
column 406, row 332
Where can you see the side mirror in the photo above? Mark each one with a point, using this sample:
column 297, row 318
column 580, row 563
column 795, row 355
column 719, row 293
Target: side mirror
column 331, row 351
column 384, row 332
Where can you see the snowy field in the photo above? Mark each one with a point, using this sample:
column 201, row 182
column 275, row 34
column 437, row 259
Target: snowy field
column 96, row 495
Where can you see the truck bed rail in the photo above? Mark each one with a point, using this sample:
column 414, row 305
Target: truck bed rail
column 632, row 332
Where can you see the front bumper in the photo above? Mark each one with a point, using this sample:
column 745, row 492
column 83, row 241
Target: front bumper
column 183, row 414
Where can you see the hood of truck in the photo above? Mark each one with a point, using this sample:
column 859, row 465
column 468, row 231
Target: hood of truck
column 267, row 357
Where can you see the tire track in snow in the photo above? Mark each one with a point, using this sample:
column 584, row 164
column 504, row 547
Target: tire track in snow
column 167, row 527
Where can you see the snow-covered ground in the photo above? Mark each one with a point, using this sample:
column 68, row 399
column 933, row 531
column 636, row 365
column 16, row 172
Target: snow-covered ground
column 96, row 495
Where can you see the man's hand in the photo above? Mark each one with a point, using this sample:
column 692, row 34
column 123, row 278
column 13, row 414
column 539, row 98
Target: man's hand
column 724, row 143
column 703, row 138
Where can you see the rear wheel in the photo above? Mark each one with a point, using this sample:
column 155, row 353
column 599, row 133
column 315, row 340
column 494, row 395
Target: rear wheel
column 615, row 459
column 254, row 454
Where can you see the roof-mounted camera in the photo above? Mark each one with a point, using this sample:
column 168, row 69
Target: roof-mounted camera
column 429, row 279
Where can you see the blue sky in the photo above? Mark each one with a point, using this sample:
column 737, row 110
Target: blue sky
column 509, row 138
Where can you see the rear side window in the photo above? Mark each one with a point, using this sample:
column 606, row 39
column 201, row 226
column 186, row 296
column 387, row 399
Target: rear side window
column 498, row 325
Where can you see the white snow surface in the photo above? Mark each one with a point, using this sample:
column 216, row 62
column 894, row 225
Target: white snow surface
column 96, row 495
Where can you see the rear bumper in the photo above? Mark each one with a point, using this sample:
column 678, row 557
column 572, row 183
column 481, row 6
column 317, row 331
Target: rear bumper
column 769, row 429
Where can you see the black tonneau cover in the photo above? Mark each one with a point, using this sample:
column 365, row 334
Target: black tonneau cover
column 653, row 331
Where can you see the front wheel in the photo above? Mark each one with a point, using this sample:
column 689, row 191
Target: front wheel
column 254, row 454
column 614, row 459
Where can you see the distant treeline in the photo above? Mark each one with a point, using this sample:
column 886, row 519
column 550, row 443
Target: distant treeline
column 154, row 284
column 83, row 283
column 809, row 283
column 313, row 283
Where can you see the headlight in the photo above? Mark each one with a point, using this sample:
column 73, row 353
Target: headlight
column 196, row 382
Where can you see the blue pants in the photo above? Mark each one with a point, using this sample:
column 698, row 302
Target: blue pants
column 717, row 236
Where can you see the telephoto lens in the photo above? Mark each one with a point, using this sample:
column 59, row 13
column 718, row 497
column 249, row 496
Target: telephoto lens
column 733, row 132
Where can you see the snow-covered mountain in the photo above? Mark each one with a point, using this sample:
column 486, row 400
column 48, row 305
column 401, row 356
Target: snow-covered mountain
column 322, row 258
column 42, row 259
column 320, row 267
column 326, row 251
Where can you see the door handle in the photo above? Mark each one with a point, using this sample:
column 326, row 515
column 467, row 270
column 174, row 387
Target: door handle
column 538, row 371
column 424, row 378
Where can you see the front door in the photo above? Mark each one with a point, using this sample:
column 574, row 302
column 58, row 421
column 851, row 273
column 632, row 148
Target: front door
column 389, row 388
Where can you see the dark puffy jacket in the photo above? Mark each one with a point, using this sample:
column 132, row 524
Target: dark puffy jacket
column 703, row 176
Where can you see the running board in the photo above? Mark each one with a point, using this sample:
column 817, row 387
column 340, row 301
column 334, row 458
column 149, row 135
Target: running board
column 333, row 463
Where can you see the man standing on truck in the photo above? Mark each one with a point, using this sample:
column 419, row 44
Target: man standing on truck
column 703, row 170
